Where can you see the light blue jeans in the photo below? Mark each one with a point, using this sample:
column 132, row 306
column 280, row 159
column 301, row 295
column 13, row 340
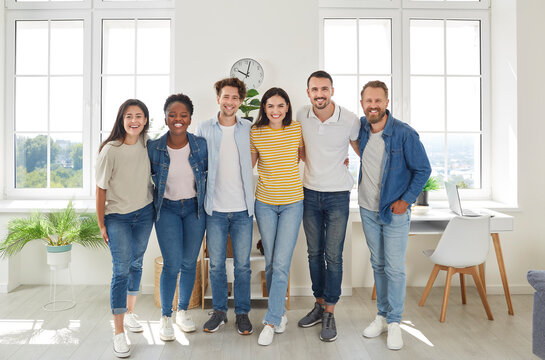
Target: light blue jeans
column 180, row 230
column 240, row 226
column 388, row 244
column 129, row 235
column 279, row 228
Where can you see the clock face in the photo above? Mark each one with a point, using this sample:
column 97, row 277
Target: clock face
column 249, row 71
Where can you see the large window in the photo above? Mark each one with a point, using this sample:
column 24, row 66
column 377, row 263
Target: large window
column 435, row 63
column 66, row 81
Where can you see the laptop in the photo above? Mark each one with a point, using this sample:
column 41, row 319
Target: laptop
column 454, row 201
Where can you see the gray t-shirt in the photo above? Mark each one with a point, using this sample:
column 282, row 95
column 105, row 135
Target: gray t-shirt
column 124, row 172
column 371, row 172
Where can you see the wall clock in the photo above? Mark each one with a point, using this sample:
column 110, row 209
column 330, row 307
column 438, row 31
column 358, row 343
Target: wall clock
column 249, row 71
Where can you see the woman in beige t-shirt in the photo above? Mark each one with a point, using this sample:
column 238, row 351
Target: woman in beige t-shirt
column 124, row 204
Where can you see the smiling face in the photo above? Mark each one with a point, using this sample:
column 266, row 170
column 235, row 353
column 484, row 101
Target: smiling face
column 276, row 109
column 320, row 91
column 178, row 118
column 134, row 121
column 374, row 104
column 229, row 101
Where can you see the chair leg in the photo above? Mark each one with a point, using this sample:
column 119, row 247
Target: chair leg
column 450, row 272
column 431, row 280
column 463, row 288
column 482, row 275
column 482, row 294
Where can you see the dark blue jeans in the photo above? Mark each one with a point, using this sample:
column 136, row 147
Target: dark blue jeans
column 325, row 217
column 180, row 233
column 129, row 235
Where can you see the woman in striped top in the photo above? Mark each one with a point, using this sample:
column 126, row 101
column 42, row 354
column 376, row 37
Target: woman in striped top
column 276, row 141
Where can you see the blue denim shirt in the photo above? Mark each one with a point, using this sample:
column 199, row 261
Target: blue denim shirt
column 211, row 131
column 405, row 165
column 160, row 163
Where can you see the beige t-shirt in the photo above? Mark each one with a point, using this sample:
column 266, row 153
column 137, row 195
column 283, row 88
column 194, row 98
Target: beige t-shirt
column 124, row 172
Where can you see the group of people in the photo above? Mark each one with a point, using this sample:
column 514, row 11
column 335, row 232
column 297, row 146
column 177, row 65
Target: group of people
column 187, row 184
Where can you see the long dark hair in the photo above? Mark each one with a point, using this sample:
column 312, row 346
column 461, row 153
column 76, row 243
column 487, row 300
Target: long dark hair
column 118, row 131
column 262, row 119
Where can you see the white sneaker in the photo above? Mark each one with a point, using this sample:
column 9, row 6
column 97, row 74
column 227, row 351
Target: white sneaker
column 266, row 336
column 121, row 348
column 130, row 322
column 377, row 327
column 282, row 327
column 184, row 321
column 394, row 341
column 166, row 331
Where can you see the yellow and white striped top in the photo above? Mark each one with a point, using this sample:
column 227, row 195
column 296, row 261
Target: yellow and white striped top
column 279, row 181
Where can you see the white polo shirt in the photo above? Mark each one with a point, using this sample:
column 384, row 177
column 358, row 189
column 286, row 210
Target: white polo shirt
column 326, row 147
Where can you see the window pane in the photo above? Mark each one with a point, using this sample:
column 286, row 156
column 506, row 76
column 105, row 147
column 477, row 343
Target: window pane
column 340, row 46
column 153, row 91
column 346, row 92
column 67, row 47
column 435, row 149
column 115, row 90
column 464, row 153
column 66, row 104
column 427, row 103
column 375, row 46
column 427, row 47
column 31, row 161
column 463, row 48
column 31, row 48
column 153, row 47
column 464, row 104
column 66, row 161
column 31, row 104
column 118, row 41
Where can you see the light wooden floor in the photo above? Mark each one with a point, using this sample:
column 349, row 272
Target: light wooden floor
column 85, row 332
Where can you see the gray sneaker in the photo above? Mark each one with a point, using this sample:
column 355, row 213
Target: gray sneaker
column 217, row 319
column 244, row 326
column 313, row 317
column 329, row 330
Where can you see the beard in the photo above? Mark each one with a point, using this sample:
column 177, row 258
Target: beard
column 321, row 107
column 373, row 119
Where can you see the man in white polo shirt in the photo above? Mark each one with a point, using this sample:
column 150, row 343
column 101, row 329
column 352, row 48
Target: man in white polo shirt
column 328, row 129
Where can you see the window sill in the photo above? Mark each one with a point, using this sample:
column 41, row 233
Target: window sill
column 28, row 206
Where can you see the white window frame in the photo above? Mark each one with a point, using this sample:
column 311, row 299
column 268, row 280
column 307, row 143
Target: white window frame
column 401, row 12
column 92, row 21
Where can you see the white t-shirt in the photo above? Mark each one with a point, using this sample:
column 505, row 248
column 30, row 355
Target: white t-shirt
column 326, row 147
column 371, row 172
column 229, row 191
column 124, row 172
column 180, row 180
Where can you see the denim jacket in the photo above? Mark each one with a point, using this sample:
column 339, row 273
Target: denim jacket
column 160, row 163
column 405, row 165
column 211, row 131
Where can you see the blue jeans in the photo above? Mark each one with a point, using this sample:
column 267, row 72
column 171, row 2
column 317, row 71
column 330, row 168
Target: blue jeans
column 388, row 244
column 180, row 231
column 240, row 226
column 279, row 228
column 324, row 218
column 129, row 235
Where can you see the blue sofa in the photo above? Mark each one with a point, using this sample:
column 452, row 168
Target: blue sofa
column 536, row 278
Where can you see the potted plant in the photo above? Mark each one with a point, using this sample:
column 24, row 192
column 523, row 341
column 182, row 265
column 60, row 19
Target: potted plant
column 249, row 104
column 431, row 184
column 58, row 230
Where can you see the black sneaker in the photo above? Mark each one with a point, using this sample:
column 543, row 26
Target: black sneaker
column 217, row 319
column 329, row 330
column 313, row 317
column 244, row 326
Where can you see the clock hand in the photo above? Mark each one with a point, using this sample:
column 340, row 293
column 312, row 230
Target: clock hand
column 246, row 75
column 248, row 71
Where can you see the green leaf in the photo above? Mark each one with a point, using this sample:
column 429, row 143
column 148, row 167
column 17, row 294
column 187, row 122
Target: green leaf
column 251, row 93
column 255, row 102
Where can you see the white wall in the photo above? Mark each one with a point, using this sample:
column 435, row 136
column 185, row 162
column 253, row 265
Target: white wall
column 283, row 36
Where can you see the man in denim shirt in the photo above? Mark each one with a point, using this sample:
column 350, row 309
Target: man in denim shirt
column 394, row 169
column 229, row 203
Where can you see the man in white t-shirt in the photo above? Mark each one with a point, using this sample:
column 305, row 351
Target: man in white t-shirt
column 229, row 203
column 328, row 129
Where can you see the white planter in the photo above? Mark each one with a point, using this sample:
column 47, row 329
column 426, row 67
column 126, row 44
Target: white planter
column 59, row 257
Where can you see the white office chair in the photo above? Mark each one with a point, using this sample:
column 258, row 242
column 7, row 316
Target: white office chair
column 463, row 246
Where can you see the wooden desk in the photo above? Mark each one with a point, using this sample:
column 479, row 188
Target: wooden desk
column 435, row 222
